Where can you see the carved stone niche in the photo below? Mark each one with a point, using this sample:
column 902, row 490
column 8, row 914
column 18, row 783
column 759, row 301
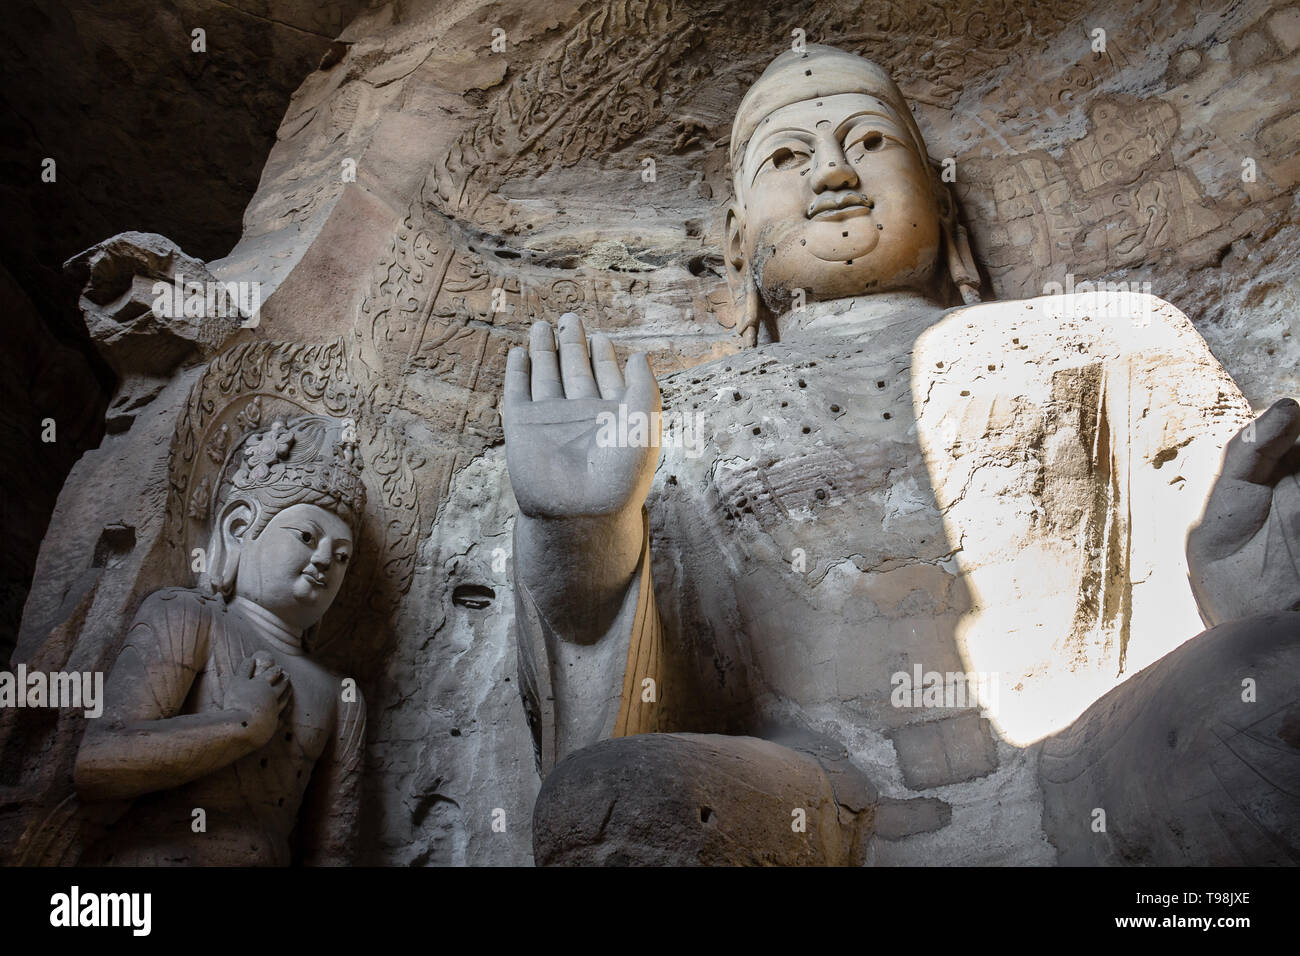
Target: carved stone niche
column 520, row 172
column 162, row 556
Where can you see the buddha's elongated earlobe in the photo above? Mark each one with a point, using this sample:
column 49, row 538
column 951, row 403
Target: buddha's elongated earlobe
column 956, row 247
column 961, row 264
column 740, row 280
column 227, row 545
column 748, row 325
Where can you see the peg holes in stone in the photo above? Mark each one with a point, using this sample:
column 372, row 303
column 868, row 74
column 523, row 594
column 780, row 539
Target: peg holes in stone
column 475, row 597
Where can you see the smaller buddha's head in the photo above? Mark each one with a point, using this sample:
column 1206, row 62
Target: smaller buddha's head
column 288, row 509
column 834, row 193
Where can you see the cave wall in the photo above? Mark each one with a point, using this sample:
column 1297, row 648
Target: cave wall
column 427, row 197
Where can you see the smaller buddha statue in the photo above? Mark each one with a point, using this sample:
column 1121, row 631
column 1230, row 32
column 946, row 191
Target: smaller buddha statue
column 223, row 742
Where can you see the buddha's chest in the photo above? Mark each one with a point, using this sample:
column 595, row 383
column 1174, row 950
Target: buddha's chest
column 306, row 722
column 794, row 454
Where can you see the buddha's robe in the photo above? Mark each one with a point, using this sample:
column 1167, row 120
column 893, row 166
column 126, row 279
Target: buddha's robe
column 1001, row 489
column 178, row 658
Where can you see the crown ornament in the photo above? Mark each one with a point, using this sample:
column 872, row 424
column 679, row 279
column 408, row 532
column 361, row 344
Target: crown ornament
column 313, row 452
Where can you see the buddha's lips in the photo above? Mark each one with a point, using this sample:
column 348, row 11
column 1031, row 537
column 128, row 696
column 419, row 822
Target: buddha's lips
column 837, row 202
column 317, row 580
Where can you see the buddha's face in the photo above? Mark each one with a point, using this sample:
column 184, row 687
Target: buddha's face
column 835, row 200
column 295, row 567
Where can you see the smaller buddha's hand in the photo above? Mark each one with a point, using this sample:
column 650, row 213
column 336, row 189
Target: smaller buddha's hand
column 260, row 691
column 582, row 438
column 1242, row 556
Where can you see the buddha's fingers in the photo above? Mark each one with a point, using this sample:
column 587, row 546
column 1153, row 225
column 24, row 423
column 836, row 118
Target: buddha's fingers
column 258, row 663
column 642, row 389
column 518, row 391
column 1255, row 452
column 608, row 377
column 575, row 363
column 1242, row 496
column 545, row 363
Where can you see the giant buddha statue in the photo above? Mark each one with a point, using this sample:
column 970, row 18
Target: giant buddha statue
column 898, row 484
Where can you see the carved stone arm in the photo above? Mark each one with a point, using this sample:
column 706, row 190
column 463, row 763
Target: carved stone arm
column 142, row 744
column 577, row 693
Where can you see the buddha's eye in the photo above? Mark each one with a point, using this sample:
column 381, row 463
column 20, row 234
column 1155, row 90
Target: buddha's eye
column 306, row 537
column 873, row 141
column 341, row 557
column 786, row 158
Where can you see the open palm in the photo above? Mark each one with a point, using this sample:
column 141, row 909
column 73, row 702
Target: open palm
column 561, row 461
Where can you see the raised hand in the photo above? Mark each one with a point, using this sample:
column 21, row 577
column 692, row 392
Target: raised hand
column 1242, row 556
column 561, row 463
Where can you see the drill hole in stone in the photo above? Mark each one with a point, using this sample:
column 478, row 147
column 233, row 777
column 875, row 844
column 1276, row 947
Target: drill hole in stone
column 115, row 542
column 473, row 596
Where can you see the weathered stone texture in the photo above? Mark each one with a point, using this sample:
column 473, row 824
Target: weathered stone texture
column 493, row 188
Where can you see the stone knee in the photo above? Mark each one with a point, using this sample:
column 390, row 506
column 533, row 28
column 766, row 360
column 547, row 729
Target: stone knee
column 694, row 799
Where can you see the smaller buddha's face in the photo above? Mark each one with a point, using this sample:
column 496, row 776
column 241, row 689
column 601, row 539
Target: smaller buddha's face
column 836, row 201
column 295, row 567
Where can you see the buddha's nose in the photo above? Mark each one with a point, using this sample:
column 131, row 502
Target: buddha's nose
column 830, row 169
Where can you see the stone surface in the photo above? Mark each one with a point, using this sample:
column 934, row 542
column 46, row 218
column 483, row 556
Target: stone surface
column 1220, row 761
column 523, row 172
column 695, row 800
column 120, row 301
column 945, row 751
column 146, row 133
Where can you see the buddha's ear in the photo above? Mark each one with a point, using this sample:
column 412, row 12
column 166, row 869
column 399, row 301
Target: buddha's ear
column 229, row 537
column 956, row 245
column 740, row 278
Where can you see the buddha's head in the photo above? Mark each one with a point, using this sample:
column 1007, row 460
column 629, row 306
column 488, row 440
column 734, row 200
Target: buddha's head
column 288, row 509
column 834, row 192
